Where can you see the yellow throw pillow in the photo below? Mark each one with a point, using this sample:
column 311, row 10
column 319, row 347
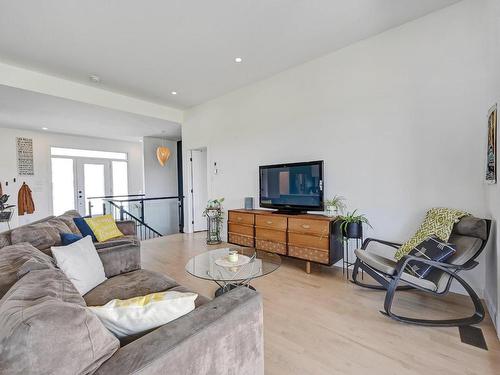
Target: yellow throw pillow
column 104, row 227
column 135, row 315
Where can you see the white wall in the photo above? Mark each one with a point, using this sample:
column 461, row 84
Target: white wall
column 399, row 120
column 492, row 287
column 40, row 183
column 162, row 215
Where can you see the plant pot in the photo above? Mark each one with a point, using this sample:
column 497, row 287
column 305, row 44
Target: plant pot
column 331, row 211
column 354, row 230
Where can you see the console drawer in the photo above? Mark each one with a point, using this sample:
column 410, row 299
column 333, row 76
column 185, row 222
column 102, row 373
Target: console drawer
column 241, row 217
column 270, row 246
column 306, row 240
column 246, row 230
column 242, row 240
column 307, row 253
column 309, row 226
column 272, row 222
column 270, row 235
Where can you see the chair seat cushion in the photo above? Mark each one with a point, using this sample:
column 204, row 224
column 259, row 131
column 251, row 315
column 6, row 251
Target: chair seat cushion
column 128, row 285
column 388, row 267
column 380, row 263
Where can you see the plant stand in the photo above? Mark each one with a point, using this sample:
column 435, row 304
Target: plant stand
column 213, row 226
column 358, row 242
column 352, row 238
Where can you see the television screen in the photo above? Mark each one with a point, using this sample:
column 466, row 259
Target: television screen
column 297, row 186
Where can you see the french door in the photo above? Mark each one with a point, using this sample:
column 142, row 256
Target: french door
column 93, row 177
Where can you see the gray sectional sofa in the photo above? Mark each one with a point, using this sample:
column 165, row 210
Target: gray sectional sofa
column 45, row 327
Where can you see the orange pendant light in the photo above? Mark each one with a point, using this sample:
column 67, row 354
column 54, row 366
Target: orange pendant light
column 162, row 153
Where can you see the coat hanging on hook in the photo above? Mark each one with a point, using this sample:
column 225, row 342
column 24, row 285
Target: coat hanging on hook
column 25, row 204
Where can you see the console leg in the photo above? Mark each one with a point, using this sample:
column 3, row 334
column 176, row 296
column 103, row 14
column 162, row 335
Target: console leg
column 308, row 267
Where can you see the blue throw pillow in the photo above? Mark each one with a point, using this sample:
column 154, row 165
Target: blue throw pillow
column 431, row 248
column 69, row 238
column 84, row 228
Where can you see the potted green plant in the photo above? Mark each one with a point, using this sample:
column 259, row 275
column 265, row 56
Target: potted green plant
column 352, row 224
column 215, row 216
column 335, row 206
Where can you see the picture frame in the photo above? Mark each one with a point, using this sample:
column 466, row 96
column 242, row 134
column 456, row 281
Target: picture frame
column 491, row 151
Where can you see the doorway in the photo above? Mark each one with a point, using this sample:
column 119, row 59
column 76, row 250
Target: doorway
column 199, row 190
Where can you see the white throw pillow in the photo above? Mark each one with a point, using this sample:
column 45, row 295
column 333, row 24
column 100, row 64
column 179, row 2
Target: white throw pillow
column 135, row 315
column 81, row 264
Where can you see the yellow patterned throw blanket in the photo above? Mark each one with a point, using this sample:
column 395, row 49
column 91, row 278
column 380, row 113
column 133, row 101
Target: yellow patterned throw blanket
column 438, row 222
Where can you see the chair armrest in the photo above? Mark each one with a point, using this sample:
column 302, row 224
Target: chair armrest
column 383, row 242
column 127, row 227
column 223, row 336
column 447, row 267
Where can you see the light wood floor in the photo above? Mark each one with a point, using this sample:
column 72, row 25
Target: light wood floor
column 322, row 324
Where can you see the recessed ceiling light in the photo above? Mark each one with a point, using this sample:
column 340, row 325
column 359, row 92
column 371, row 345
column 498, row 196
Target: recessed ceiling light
column 238, row 60
column 94, row 78
column 174, row 92
column 44, row 128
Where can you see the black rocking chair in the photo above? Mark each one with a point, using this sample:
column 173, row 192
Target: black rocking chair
column 469, row 235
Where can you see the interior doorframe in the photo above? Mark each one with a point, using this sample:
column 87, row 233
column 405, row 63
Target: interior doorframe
column 188, row 182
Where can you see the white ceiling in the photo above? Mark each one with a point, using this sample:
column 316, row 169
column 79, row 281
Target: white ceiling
column 29, row 110
column 149, row 48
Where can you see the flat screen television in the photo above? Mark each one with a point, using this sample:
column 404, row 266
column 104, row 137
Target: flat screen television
column 292, row 187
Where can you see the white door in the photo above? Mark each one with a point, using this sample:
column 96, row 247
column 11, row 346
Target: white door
column 93, row 180
column 198, row 162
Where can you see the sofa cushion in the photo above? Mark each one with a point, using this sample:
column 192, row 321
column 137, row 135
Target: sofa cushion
column 128, row 285
column 5, row 239
column 40, row 235
column 118, row 241
column 81, row 264
column 84, row 228
column 200, row 300
column 104, row 227
column 12, row 259
column 69, row 238
column 120, row 258
column 45, row 328
column 143, row 313
column 67, row 218
column 59, row 225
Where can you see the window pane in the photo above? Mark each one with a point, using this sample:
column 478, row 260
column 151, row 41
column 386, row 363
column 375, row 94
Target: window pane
column 120, row 178
column 94, row 187
column 63, row 187
column 58, row 151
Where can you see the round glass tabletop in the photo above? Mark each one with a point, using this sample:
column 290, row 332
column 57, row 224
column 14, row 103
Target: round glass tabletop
column 214, row 264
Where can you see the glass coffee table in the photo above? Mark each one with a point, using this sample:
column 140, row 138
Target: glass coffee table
column 214, row 265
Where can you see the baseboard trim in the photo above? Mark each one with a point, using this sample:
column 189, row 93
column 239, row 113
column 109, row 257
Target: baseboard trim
column 492, row 310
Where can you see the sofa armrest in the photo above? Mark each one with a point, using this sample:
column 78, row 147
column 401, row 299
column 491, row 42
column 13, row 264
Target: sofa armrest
column 223, row 336
column 120, row 259
column 127, row 227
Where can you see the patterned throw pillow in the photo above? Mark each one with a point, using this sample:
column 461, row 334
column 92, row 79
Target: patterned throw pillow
column 432, row 249
column 104, row 227
column 438, row 222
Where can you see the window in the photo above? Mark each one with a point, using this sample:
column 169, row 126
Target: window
column 73, row 152
column 63, row 185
